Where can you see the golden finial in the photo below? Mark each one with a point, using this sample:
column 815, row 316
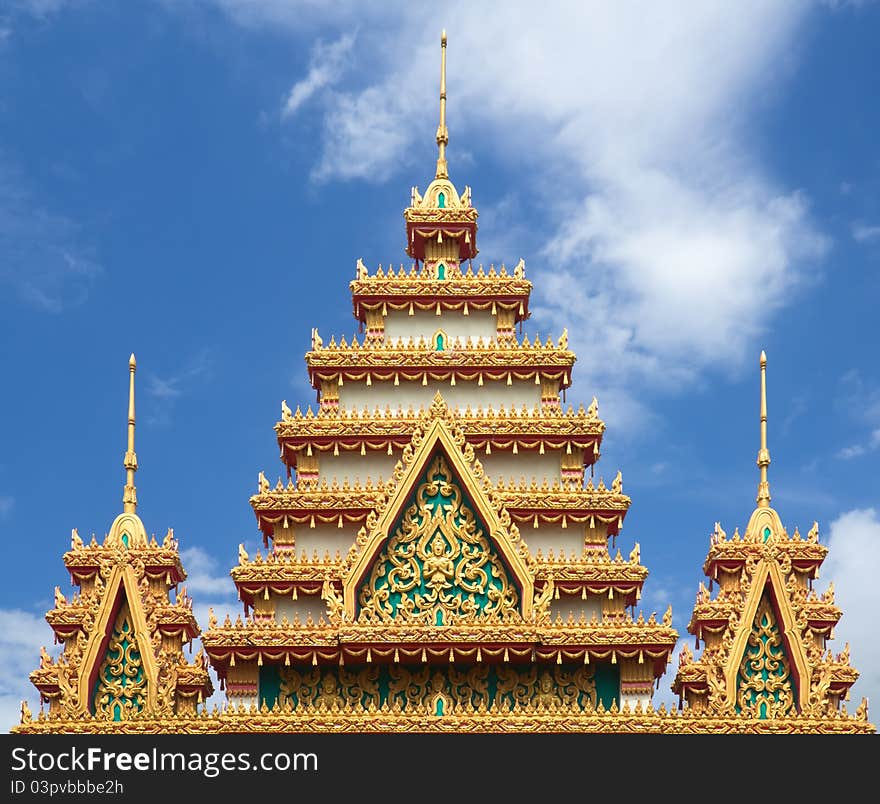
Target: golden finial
column 129, row 495
column 763, row 452
column 442, row 132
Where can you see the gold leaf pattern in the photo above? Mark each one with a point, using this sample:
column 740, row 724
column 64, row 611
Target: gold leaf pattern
column 439, row 566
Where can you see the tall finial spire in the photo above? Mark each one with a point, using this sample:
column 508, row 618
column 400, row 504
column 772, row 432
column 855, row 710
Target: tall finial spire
column 129, row 496
column 442, row 132
column 763, row 452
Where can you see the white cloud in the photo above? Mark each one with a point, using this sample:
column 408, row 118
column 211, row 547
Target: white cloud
column 204, row 576
column 6, row 503
column 865, row 233
column 21, row 636
column 856, row 450
column 853, row 564
column 651, row 230
column 325, row 68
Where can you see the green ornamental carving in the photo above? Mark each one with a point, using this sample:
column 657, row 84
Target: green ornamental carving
column 121, row 687
column 439, row 690
column 765, row 687
column 439, row 565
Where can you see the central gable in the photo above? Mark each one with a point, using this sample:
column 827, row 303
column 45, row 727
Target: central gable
column 439, row 564
column 440, row 549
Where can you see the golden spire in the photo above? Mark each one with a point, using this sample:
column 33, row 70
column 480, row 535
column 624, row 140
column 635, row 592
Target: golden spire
column 129, row 496
column 442, row 132
column 763, row 452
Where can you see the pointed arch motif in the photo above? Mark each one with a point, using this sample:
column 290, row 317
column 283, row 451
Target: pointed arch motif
column 121, row 602
column 121, row 687
column 765, row 686
column 438, row 437
column 439, row 564
column 767, row 596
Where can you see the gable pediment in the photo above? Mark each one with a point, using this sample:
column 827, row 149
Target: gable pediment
column 440, row 550
column 767, row 637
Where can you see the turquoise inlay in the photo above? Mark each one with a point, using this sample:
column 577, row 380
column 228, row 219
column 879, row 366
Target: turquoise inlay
column 767, row 533
column 441, row 271
column 120, row 687
column 269, row 684
column 441, row 201
column 125, row 540
column 608, row 684
column 765, row 684
column 440, row 343
column 439, row 560
column 415, row 687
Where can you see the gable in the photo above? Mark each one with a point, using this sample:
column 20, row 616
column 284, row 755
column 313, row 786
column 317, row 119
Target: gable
column 767, row 634
column 439, row 564
column 102, row 658
column 439, row 526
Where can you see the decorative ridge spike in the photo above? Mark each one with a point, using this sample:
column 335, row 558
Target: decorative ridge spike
column 763, row 498
column 442, row 131
column 129, row 494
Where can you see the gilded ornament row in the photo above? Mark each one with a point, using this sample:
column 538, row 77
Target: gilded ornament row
column 306, row 496
column 280, row 572
column 503, row 436
column 536, row 416
column 492, row 276
column 423, row 690
column 423, row 299
column 472, row 350
column 250, row 634
column 481, row 283
column 453, row 215
column 530, row 719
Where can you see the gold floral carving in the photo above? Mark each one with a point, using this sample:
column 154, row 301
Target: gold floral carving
column 552, row 689
column 312, row 689
column 463, row 720
column 764, row 681
column 439, row 562
column 122, row 683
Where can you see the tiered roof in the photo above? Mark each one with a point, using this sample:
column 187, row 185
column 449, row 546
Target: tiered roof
column 765, row 629
column 122, row 634
column 348, row 634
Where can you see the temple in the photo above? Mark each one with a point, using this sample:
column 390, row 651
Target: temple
column 122, row 635
column 765, row 632
column 439, row 554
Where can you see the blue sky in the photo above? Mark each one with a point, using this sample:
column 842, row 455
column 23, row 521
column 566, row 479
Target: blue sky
column 194, row 181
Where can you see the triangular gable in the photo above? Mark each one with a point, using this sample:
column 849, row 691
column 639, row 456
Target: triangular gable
column 121, row 583
column 767, row 579
column 441, row 440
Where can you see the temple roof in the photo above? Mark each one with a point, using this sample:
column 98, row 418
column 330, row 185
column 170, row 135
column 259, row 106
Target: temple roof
column 765, row 629
column 395, row 359
column 460, row 289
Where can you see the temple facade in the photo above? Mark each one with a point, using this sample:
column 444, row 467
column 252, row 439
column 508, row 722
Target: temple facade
column 440, row 554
